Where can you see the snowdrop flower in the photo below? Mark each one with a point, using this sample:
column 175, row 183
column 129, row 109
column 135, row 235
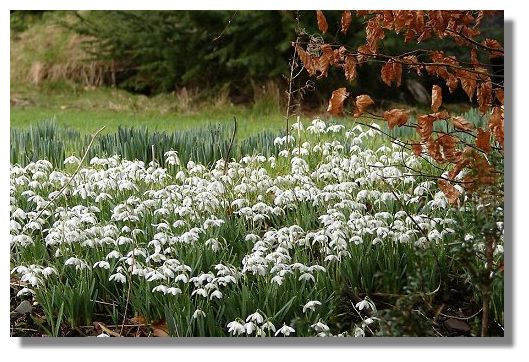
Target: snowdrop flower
column 78, row 263
column 25, row 291
column 160, row 288
column 118, row 277
column 285, row 330
column 311, row 305
column 102, row 264
column 200, row 291
column 359, row 332
column 171, row 158
column 49, row 271
column 72, row 160
column 320, row 327
column 236, row 328
column 269, row 326
column 250, row 327
column 217, row 294
column 103, row 335
column 307, row 277
column 367, row 304
column 255, row 317
column 277, row 279
column 198, row 314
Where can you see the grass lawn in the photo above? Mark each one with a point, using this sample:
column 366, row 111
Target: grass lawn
column 88, row 111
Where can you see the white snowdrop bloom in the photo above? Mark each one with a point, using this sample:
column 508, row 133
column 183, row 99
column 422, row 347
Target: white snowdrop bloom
column 171, row 158
column 19, row 214
column 200, row 291
column 118, row 277
column 269, row 326
column 49, row 271
column 283, row 153
column 359, row 332
column 250, row 327
column 365, row 304
column 78, row 263
column 236, row 328
column 72, row 160
column 277, row 279
column 160, row 288
column 25, row 291
column 285, row 330
column 198, row 313
column 320, row 327
column 255, row 317
column 181, row 278
column 114, row 254
column 434, row 235
column 311, row 305
column 22, row 240
column 102, row 335
column 216, row 294
column 102, row 264
column 307, row 277
column 174, row 291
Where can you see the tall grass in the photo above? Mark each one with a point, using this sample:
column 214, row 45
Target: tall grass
column 49, row 141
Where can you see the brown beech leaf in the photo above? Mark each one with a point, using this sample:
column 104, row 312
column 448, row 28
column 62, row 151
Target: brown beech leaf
column 412, row 62
column 468, row 82
column 362, row 102
column 434, row 149
column 346, row 20
column 374, row 33
column 484, row 96
column 498, row 93
column 350, row 67
column 440, row 115
column 391, row 72
column 306, row 59
column 448, row 144
column 474, row 57
column 483, row 140
column 449, row 190
column 496, row 124
column 437, row 97
column 386, row 73
column 322, row 22
column 336, row 102
column 495, row 45
column 462, row 162
column 425, row 127
column 461, row 123
column 416, row 149
column 452, row 82
column 396, row 117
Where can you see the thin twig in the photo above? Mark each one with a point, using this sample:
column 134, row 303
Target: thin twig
column 73, row 175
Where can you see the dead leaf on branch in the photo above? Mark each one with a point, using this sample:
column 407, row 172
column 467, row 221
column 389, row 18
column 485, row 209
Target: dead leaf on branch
column 483, row 140
column 322, row 21
column 396, row 117
column 437, row 97
column 347, row 18
column 451, row 193
column 336, row 102
column 484, row 96
column 461, row 123
column 391, row 72
column 416, row 149
column 496, row 124
column 306, row 59
column 350, row 67
column 362, row 102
